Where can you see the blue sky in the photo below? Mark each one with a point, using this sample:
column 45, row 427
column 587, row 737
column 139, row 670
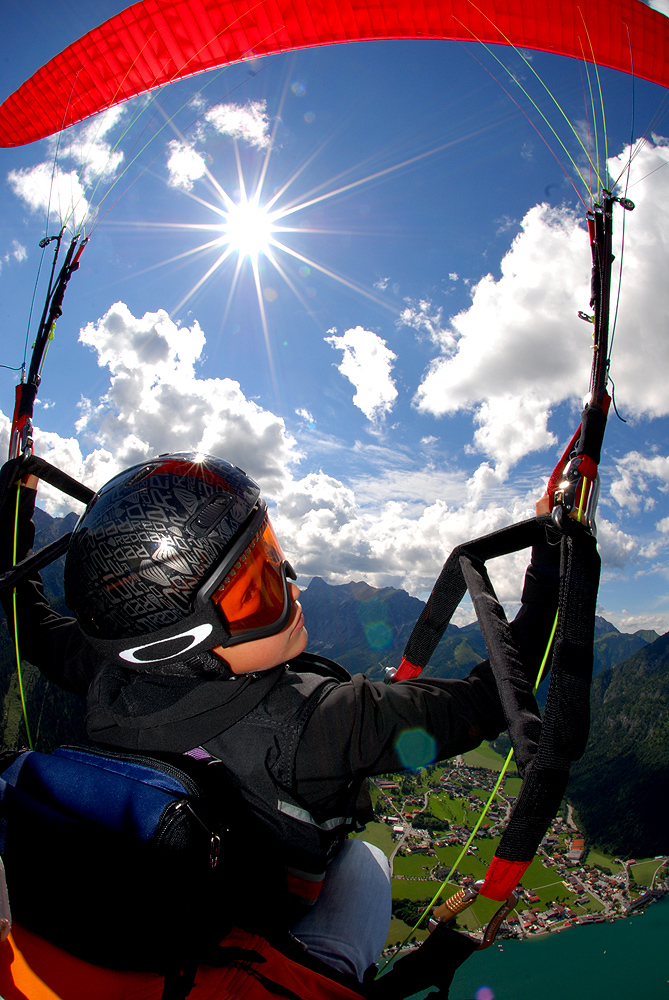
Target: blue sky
column 405, row 374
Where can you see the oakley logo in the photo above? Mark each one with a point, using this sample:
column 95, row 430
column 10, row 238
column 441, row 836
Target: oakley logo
column 197, row 636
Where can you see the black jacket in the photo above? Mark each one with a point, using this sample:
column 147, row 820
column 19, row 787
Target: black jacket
column 303, row 735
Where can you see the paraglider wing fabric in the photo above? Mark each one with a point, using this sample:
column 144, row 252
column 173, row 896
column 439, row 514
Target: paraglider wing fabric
column 156, row 42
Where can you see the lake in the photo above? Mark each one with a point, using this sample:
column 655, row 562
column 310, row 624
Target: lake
column 623, row 960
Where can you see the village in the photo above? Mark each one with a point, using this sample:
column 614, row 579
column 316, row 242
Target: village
column 429, row 816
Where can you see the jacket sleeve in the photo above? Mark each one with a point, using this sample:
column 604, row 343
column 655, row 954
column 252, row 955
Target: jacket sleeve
column 53, row 643
column 364, row 727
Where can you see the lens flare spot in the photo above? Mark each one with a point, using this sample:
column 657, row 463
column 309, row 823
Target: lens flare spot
column 270, row 294
column 378, row 635
column 484, row 993
column 416, row 748
column 298, row 88
column 305, row 270
column 309, row 117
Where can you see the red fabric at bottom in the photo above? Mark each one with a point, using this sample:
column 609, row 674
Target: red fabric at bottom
column 33, row 969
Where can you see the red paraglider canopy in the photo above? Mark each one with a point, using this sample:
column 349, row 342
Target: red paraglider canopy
column 155, row 42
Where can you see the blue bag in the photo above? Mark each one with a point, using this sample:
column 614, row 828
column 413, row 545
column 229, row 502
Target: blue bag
column 117, row 858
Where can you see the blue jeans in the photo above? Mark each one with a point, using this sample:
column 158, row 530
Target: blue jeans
column 348, row 925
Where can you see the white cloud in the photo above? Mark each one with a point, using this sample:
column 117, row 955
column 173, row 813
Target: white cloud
column 155, row 403
column 184, row 165
column 528, row 416
column 248, row 122
column 519, row 349
column 640, row 478
column 19, row 252
column 66, row 193
column 306, row 416
column 616, row 547
column 641, row 347
column 326, row 532
column 427, row 321
column 187, row 163
column 661, row 5
column 367, row 364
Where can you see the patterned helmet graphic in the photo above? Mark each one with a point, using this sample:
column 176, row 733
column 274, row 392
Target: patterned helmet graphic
column 150, row 539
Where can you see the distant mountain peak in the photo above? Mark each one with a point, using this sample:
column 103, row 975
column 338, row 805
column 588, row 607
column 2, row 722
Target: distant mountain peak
column 602, row 626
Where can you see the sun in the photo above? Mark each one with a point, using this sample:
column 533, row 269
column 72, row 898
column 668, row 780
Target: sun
column 248, row 229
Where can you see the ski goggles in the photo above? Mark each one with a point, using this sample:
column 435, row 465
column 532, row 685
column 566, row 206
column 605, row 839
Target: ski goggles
column 253, row 597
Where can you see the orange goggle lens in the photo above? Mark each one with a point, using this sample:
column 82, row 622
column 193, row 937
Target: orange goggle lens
column 254, row 594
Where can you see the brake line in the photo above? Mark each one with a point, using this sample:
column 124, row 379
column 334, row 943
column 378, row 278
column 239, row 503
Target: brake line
column 19, row 672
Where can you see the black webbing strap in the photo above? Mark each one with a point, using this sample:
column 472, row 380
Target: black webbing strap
column 19, row 468
column 545, row 750
column 12, row 472
column 451, row 587
column 35, row 562
column 566, row 722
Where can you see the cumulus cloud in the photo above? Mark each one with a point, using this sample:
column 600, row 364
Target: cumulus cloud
column 184, row 165
column 367, row 364
column 326, row 531
column 519, row 349
column 640, row 479
column 156, row 403
column 661, row 5
column 64, row 191
column 515, row 350
column 187, row 161
column 248, row 122
column 616, row 547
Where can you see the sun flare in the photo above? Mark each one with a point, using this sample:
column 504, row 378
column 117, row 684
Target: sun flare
column 248, row 229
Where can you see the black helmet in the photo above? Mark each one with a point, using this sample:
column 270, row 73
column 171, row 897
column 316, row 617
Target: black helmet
column 158, row 549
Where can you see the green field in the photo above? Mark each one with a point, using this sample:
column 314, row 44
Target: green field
column 606, row 861
column 379, row 834
column 512, row 785
column 452, row 810
column 399, row 930
column 414, row 865
column 471, row 864
column 414, row 889
column 485, row 756
column 643, row 871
